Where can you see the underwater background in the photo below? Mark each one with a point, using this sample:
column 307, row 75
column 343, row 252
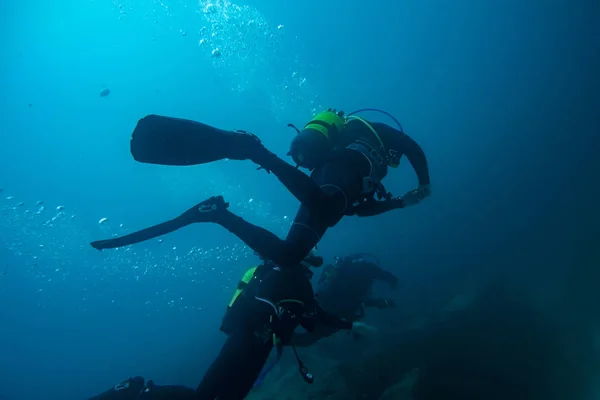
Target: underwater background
column 499, row 268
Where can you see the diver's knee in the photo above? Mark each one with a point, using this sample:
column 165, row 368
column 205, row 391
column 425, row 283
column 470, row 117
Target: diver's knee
column 301, row 239
column 338, row 199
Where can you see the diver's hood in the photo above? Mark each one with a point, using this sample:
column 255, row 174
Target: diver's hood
column 309, row 149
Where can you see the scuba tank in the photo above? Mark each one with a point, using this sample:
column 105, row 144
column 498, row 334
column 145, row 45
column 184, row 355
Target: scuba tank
column 314, row 144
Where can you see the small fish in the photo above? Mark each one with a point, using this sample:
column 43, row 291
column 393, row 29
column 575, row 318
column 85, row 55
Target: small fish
column 102, row 220
column 104, row 92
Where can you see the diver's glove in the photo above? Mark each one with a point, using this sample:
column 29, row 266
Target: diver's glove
column 417, row 195
column 363, row 329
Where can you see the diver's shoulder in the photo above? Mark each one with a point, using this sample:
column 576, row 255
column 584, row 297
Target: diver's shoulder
column 383, row 128
column 355, row 125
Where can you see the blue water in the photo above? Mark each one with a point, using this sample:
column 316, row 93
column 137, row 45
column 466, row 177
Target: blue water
column 502, row 95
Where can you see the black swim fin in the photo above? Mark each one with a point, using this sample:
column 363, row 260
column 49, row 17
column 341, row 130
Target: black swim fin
column 174, row 141
column 207, row 211
column 141, row 236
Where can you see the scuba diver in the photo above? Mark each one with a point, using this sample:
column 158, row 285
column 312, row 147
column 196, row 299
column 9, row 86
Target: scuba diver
column 345, row 290
column 347, row 155
column 267, row 306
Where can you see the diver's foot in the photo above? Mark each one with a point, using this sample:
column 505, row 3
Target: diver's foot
column 246, row 144
column 249, row 147
column 210, row 209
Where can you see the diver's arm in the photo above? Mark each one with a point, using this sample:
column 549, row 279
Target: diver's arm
column 317, row 315
column 404, row 144
column 381, row 274
column 325, row 318
column 374, row 207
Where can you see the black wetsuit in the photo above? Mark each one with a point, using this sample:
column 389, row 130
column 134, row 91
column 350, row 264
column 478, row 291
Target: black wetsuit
column 345, row 290
column 250, row 334
column 327, row 195
column 274, row 302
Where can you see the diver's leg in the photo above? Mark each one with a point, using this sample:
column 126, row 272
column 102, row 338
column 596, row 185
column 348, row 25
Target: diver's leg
column 232, row 374
column 329, row 190
column 214, row 209
column 266, row 244
column 343, row 186
column 341, row 183
column 306, row 231
column 175, row 141
column 300, row 185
